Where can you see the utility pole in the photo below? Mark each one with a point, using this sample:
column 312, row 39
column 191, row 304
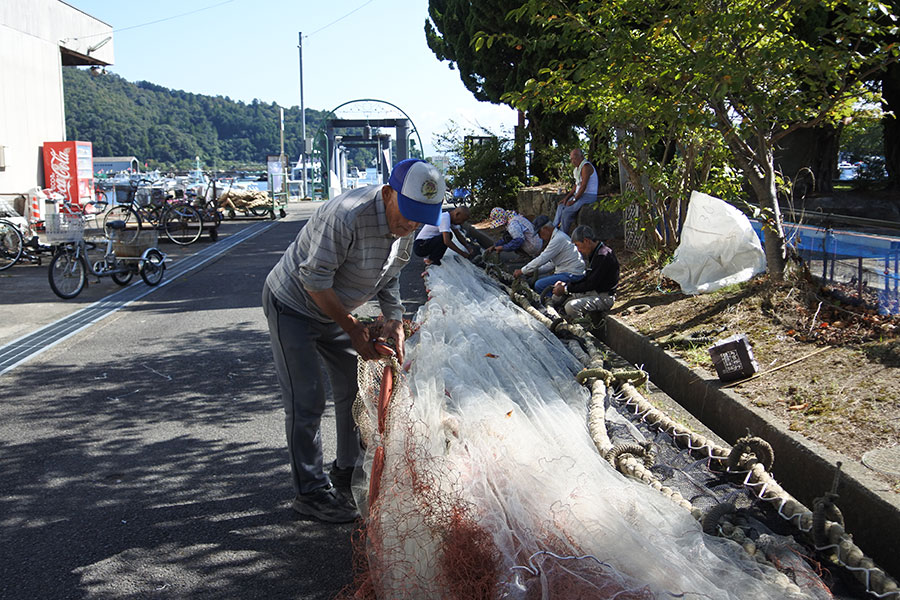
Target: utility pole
column 302, row 118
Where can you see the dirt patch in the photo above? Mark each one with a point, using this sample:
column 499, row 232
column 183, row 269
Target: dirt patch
column 844, row 391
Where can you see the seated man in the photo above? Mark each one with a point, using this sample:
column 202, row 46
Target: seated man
column 596, row 291
column 584, row 192
column 560, row 260
column 433, row 241
column 519, row 231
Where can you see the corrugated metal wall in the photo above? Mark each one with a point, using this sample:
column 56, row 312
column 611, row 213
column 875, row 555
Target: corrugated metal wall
column 32, row 34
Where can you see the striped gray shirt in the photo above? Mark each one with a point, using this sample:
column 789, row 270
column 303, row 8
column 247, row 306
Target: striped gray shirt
column 346, row 246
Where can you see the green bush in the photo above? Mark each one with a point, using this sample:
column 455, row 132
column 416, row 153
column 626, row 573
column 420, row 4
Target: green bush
column 485, row 166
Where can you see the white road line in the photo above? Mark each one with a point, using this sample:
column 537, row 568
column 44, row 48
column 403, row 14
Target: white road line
column 32, row 344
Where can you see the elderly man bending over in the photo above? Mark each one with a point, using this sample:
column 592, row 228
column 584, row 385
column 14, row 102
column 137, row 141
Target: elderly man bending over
column 559, row 261
column 596, row 291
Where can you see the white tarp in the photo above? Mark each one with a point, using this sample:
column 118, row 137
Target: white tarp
column 718, row 247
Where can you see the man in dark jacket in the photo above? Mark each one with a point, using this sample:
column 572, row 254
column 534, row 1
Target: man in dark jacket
column 596, row 291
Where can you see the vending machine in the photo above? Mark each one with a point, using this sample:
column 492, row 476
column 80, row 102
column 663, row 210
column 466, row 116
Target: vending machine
column 69, row 170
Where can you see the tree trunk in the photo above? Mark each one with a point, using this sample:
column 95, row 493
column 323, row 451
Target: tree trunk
column 763, row 183
column 539, row 167
column 758, row 165
column 520, row 146
column 890, row 101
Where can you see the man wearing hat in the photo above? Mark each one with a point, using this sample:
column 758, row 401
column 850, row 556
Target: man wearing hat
column 351, row 250
column 520, row 234
column 558, row 261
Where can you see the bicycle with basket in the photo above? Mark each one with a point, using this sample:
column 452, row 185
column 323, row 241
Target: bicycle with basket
column 124, row 253
column 19, row 235
column 155, row 208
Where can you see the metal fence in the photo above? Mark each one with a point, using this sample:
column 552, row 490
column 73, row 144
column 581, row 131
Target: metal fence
column 863, row 268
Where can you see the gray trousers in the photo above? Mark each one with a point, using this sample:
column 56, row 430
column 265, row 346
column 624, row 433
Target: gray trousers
column 305, row 353
column 580, row 306
column 565, row 215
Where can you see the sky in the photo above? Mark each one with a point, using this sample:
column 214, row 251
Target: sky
column 246, row 49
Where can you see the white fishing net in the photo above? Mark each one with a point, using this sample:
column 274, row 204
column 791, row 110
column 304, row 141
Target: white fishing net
column 492, row 486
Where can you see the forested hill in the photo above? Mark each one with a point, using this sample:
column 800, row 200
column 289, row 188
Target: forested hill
column 168, row 128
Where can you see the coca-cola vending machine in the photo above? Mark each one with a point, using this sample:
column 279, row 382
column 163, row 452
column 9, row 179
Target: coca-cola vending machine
column 69, row 170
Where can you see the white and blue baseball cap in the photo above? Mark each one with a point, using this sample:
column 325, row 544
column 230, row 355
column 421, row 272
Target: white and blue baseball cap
column 420, row 190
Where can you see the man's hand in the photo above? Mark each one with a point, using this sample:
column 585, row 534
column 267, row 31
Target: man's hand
column 359, row 337
column 328, row 301
column 517, row 273
column 559, row 288
column 393, row 330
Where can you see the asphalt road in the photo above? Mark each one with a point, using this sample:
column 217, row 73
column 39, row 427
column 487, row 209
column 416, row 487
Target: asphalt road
column 144, row 456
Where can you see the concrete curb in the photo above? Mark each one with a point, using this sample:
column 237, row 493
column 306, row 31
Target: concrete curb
column 802, row 467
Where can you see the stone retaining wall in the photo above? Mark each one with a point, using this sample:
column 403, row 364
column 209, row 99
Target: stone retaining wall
column 542, row 201
column 804, row 468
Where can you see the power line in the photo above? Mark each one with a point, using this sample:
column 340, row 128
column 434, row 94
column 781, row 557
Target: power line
column 159, row 20
column 340, row 19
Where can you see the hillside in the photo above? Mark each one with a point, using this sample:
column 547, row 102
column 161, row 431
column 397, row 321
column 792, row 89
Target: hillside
column 170, row 127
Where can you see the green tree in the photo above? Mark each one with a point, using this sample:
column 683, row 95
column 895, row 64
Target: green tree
column 743, row 69
column 490, row 71
column 861, row 136
column 483, row 164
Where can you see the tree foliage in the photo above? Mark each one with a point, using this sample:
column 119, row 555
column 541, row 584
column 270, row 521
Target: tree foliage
column 748, row 72
column 484, row 165
column 454, row 33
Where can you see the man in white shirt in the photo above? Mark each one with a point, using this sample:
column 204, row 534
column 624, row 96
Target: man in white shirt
column 560, row 260
column 584, row 192
column 433, row 240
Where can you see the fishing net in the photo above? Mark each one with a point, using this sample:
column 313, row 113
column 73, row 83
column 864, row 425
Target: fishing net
column 483, row 481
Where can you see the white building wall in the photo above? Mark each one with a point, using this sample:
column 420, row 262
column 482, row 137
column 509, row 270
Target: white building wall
column 32, row 33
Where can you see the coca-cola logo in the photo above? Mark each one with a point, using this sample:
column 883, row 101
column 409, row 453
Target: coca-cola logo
column 60, row 173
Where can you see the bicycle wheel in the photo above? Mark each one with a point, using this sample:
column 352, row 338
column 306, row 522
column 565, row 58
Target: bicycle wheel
column 101, row 201
column 122, row 278
column 182, row 224
column 154, row 267
column 68, row 273
column 126, row 214
column 261, row 211
column 11, row 244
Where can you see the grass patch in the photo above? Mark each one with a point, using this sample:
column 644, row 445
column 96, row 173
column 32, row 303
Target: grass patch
column 696, row 356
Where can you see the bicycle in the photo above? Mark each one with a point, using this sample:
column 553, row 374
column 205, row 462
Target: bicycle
column 234, row 199
column 70, row 265
column 207, row 205
column 12, row 245
column 181, row 222
column 18, row 236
